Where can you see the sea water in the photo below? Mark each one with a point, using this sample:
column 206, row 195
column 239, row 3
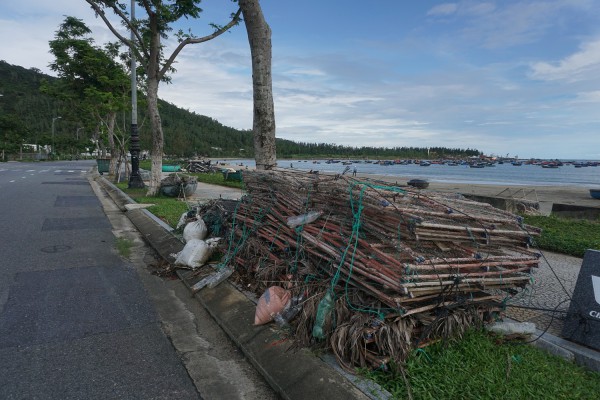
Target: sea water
column 499, row 174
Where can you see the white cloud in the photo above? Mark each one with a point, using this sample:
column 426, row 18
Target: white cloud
column 32, row 32
column 582, row 65
column 588, row 97
column 308, row 72
column 443, row 9
column 210, row 82
column 508, row 24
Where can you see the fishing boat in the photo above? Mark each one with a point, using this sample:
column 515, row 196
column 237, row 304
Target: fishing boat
column 595, row 193
column 549, row 165
column 424, row 163
column 477, row 165
column 418, row 183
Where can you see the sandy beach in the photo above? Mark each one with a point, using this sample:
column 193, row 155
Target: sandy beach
column 545, row 195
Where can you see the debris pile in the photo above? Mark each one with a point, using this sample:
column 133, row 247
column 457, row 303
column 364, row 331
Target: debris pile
column 381, row 269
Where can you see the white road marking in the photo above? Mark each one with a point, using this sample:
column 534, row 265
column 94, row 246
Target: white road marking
column 30, row 170
column 12, row 181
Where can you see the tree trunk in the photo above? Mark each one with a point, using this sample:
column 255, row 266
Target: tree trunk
column 157, row 137
column 152, row 81
column 263, row 126
column 111, row 119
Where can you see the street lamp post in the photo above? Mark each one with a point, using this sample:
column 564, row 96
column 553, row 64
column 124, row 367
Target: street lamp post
column 53, row 120
column 135, row 179
column 4, row 141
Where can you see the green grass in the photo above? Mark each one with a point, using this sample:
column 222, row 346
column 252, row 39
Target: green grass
column 479, row 367
column 567, row 236
column 216, row 178
column 124, row 246
column 168, row 209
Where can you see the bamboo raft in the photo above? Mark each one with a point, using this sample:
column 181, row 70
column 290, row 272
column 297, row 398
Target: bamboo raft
column 407, row 264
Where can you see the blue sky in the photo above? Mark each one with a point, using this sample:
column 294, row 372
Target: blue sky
column 505, row 77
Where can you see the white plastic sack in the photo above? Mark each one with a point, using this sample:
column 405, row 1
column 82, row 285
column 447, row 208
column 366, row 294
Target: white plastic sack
column 195, row 230
column 196, row 252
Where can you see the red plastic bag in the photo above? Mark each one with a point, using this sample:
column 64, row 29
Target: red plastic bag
column 274, row 300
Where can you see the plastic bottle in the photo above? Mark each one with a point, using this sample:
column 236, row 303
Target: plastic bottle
column 324, row 309
column 289, row 312
column 214, row 279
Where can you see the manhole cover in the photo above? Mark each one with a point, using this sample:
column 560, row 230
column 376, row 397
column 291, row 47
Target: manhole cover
column 56, row 249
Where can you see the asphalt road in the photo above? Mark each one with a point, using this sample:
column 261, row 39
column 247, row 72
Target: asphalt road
column 75, row 320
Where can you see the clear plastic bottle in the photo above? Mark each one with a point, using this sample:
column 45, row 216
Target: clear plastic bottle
column 214, row 279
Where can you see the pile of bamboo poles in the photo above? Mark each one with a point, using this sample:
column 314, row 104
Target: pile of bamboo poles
column 409, row 252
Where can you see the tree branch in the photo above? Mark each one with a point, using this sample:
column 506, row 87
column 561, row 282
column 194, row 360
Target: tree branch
column 125, row 41
column 147, row 7
column 187, row 41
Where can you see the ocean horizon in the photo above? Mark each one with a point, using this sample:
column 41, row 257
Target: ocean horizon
column 499, row 174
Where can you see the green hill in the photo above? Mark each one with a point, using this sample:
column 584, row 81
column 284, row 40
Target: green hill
column 26, row 116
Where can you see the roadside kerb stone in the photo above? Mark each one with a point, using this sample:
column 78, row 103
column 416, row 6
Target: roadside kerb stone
column 295, row 374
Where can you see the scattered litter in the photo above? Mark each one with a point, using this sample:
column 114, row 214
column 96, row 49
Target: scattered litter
column 196, row 252
column 303, row 219
column 214, row 279
column 195, row 230
column 273, row 301
column 512, row 328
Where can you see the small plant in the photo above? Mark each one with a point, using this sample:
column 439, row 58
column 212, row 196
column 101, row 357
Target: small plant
column 124, row 246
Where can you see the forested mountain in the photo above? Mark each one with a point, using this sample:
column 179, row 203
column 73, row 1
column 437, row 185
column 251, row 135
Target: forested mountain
column 27, row 113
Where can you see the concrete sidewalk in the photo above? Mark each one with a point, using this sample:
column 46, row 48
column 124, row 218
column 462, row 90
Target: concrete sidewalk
column 292, row 374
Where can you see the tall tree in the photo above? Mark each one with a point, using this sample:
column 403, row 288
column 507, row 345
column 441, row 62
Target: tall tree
column 263, row 125
column 148, row 32
column 92, row 81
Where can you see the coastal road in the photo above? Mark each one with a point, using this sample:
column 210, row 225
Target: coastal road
column 76, row 319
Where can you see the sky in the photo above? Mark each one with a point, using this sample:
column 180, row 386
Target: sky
column 506, row 77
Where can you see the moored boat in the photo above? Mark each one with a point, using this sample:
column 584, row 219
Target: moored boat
column 418, row 183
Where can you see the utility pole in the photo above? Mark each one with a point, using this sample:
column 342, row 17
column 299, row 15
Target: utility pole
column 53, row 120
column 4, row 141
column 135, row 179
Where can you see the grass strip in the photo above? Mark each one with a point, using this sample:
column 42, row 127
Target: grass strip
column 169, row 209
column 566, row 236
column 482, row 366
